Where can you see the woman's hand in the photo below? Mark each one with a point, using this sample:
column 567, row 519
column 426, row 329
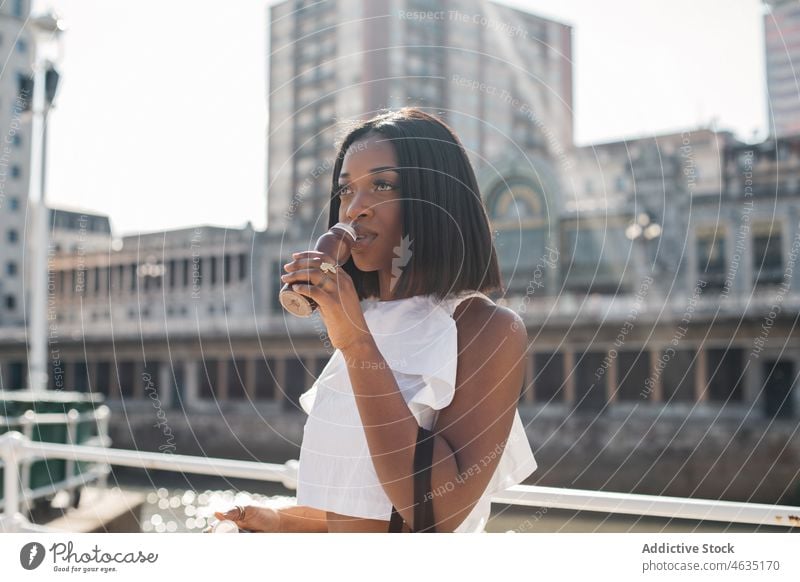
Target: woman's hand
column 338, row 301
column 253, row 518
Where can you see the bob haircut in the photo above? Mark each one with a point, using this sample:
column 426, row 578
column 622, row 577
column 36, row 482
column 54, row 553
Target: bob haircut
column 441, row 207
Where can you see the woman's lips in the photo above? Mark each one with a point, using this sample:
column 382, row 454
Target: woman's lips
column 363, row 241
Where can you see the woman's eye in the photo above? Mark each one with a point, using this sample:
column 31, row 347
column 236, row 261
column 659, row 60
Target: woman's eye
column 384, row 186
column 343, row 190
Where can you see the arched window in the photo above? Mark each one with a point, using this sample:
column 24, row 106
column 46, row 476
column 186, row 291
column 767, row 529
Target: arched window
column 518, row 214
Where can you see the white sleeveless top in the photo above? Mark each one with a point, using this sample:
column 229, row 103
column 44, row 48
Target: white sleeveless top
column 417, row 337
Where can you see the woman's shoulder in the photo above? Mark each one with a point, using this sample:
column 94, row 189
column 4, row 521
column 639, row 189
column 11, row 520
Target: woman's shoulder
column 475, row 306
column 480, row 316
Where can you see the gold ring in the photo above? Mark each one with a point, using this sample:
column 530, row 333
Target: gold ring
column 328, row 267
column 240, row 517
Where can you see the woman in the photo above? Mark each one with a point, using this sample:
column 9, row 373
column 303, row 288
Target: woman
column 418, row 343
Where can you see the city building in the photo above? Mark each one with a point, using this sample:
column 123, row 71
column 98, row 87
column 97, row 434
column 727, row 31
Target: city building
column 782, row 50
column 75, row 232
column 16, row 52
column 501, row 77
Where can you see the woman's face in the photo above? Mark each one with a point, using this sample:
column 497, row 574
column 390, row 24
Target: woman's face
column 369, row 194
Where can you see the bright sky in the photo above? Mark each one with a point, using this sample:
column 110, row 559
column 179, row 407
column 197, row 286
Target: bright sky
column 161, row 116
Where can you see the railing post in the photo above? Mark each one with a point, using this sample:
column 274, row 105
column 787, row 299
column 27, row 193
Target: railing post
column 101, row 415
column 27, row 421
column 11, row 451
column 72, row 434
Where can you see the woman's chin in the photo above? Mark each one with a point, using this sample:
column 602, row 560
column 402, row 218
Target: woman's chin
column 363, row 263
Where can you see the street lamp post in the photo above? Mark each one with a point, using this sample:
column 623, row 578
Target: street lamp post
column 45, row 29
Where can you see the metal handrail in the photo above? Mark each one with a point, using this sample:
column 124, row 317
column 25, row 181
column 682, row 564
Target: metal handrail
column 71, row 419
column 650, row 505
column 16, row 448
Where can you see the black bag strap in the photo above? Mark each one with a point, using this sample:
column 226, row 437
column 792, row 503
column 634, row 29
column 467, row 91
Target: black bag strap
column 423, row 499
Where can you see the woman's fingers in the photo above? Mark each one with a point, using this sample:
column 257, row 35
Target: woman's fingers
column 303, row 263
column 313, row 257
column 308, row 259
column 231, row 515
column 260, row 519
column 303, row 275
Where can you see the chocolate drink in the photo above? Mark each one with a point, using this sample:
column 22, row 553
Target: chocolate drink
column 336, row 243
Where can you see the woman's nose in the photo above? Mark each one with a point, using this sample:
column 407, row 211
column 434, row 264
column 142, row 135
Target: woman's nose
column 359, row 207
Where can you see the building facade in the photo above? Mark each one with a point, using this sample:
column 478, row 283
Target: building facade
column 501, row 77
column 782, row 51
column 16, row 51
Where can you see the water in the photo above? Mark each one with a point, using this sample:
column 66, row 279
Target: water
column 179, row 510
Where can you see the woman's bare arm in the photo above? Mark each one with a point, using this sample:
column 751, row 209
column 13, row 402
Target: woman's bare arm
column 301, row 518
column 291, row 519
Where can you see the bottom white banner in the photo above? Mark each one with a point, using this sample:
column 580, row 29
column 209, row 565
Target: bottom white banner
column 601, row 556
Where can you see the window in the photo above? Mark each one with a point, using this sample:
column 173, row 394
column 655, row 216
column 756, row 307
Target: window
column 197, row 274
column 12, row 236
column 208, row 380
column 13, row 203
column 226, row 268
column 24, row 93
column 677, row 378
column 236, row 380
column 17, row 375
column 16, row 172
column 724, row 375
column 548, row 380
column 767, row 254
column 22, row 46
column 590, row 392
column 126, row 375
column 11, row 268
column 633, row 370
column 17, row 140
column 172, row 275
column 265, row 387
column 711, row 263
column 242, row 266
column 11, row 302
column 18, row 8
column 213, row 270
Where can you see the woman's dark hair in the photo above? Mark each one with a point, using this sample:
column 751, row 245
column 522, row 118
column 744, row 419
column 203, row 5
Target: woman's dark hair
column 441, row 208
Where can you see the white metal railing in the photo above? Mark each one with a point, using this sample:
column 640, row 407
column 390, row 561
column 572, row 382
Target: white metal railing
column 99, row 417
column 15, row 448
